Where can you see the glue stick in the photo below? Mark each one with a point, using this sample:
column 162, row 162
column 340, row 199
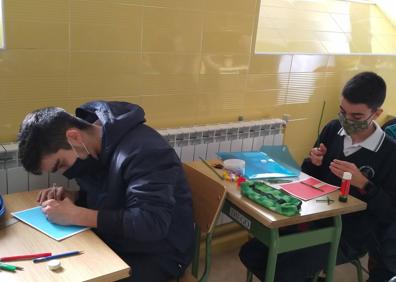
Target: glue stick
column 345, row 186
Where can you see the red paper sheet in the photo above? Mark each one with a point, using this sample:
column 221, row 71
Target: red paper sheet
column 304, row 192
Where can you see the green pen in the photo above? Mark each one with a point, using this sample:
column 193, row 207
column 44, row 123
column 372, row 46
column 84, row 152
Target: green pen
column 10, row 267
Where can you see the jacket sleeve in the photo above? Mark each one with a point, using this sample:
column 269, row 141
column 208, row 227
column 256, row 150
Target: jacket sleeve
column 151, row 178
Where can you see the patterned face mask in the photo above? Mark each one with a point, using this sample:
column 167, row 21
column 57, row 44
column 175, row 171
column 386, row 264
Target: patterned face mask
column 353, row 126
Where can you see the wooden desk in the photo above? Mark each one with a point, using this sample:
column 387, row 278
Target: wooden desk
column 264, row 224
column 98, row 263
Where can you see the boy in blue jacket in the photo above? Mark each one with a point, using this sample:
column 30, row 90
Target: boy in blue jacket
column 354, row 143
column 133, row 190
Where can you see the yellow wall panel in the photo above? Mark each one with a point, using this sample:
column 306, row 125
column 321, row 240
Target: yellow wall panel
column 223, row 22
column 222, row 83
column 180, row 4
column 167, row 84
column 234, row 6
column 105, row 25
column 105, row 37
column 27, row 88
column 256, row 100
column 224, row 64
column 105, row 12
column 226, row 42
column 171, row 30
column 99, row 86
column 162, row 63
column 16, row 62
column 37, row 10
column 178, row 110
column 216, row 107
column 268, row 81
column 36, row 35
column 105, row 63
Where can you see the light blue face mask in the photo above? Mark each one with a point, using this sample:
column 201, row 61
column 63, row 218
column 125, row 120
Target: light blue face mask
column 353, row 126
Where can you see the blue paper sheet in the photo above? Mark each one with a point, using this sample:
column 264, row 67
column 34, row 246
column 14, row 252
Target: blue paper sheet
column 258, row 165
column 281, row 154
column 36, row 218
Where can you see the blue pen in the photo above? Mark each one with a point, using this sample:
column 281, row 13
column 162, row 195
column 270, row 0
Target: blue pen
column 67, row 254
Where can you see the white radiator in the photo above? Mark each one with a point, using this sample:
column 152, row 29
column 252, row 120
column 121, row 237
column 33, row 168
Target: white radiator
column 189, row 143
column 205, row 141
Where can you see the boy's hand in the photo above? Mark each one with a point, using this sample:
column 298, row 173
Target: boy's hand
column 317, row 153
column 56, row 193
column 339, row 167
column 60, row 212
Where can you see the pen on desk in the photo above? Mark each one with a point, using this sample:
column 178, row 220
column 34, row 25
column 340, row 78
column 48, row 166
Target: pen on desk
column 10, row 267
column 25, row 257
column 312, row 186
column 62, row 255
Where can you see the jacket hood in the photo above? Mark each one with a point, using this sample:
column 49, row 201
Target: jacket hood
column 117, row 118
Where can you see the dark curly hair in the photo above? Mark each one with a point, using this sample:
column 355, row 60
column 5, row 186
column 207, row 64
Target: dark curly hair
column 43, row 132
column 365, row 88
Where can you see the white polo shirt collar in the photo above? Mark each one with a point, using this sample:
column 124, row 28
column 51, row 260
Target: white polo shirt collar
column 372, row 143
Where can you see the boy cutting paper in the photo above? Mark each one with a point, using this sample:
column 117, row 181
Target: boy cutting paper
column 133, row 190
column 353, row 143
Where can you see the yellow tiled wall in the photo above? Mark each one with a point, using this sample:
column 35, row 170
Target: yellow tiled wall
column 185, row 61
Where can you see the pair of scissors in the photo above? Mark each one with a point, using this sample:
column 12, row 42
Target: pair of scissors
column 328, row 200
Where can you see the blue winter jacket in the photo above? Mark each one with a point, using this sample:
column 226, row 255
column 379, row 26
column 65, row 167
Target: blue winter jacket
column 140, row 191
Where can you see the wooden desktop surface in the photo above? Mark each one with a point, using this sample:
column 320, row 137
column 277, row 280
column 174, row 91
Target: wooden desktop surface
column 310, row 210
column 97, row 263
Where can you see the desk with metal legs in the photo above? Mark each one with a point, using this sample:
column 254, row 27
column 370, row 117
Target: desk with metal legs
column 264, row 224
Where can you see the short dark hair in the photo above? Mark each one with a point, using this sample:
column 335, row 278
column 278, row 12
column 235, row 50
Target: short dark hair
column 43, row 132
column 365, row 88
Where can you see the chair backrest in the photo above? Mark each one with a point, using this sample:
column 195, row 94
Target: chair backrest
column 208, row 197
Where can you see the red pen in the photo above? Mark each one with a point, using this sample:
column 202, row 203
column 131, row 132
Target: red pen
column 25, row 257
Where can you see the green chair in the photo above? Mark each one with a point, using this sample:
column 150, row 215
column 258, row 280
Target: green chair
column 208, row 197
